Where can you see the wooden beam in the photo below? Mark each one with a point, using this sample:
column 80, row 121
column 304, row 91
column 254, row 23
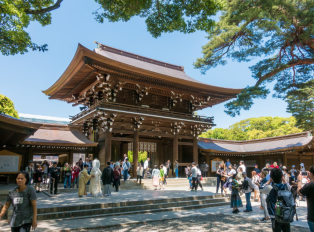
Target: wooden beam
column 186, row 143
column 135, row 152
column 127, row 139
column 107, row 146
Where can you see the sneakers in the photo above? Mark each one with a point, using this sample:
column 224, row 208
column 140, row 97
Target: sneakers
column 247, row 210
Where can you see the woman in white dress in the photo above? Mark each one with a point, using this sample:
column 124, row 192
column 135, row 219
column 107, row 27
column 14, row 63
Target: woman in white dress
column 155, row 176
column 95, row 187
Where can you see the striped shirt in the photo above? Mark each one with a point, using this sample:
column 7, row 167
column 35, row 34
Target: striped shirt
column 22, row 207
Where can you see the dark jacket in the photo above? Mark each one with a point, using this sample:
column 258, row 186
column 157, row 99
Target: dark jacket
column 107, row 176
column 53, row 173
column 204, row 167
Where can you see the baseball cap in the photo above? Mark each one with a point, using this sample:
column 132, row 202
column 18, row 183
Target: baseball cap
column 302, row 164
column 243, row 173
column 293, row 166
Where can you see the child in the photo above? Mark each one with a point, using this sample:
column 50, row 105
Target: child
column 38, row 178
column 162, row 177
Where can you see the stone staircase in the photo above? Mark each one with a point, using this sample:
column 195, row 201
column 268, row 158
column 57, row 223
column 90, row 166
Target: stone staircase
column 131, row 207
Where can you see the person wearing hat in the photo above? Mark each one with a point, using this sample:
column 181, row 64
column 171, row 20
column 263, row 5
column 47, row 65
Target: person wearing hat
column 256, row 169
column 30, row 170
column 302, row 168
column 293, row 173
column 107, row 178
column 247, row 188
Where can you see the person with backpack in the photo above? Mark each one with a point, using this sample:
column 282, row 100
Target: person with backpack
column 308, row 191
column 247, row 188
column 280, row 202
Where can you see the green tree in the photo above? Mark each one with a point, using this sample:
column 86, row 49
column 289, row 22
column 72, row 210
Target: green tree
column 301, row 105
column 142, row 156
column 281, row 32
column 161, row 16
column 255, row 128
column 7, row 107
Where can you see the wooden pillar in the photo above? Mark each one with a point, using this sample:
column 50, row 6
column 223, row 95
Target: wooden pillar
column 207, row 160
column 71, row 157
column 29, row 157
column 135, row 152
column 107, row 147
column 175, row 149
column 195, row 150
column 102, row 155
column 285, row 160
column 299, row 160
column 261, row 165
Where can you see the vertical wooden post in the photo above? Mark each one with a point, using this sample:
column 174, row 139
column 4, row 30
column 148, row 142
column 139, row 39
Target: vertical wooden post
column 299, row 160
column 261, row 162
column 71, row 157
column 28, row 157
column 285, row 160
column 175, row 151
column 102, row 155
column 135, row 152
column 195, row 150
column 107, row 147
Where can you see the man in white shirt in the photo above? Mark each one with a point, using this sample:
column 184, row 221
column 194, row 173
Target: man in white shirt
column 146, row 167
column 242, row 166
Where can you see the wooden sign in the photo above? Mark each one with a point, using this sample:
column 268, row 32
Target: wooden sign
column 10, row 162
column 215, row 164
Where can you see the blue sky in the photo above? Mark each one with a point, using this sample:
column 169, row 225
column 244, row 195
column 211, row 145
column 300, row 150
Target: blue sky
column 23, row 77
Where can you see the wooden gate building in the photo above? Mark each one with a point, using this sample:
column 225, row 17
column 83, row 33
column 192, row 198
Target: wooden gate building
column 128, row 98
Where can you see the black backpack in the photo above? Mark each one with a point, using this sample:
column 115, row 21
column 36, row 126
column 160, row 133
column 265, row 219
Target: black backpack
column 285, row 206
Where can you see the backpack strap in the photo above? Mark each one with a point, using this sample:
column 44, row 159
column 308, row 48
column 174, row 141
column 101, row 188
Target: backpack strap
column 296, row 215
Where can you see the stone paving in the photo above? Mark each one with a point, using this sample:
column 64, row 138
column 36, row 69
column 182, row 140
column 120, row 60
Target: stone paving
column 216, row 222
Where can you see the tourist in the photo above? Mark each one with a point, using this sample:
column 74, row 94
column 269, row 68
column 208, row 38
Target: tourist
column 256, row 169
column 194, row 177
column 45, row 167
column 126, row 168
column 67, row 175
column 89, row 164
column 247, row 188
column 255, row 182
column 162, row 177
column 168, row 164
column 30, row 170
column 38, row 178
column 274, row 165
column 76, row 172
column 23, row 199
column 199, row 177
column 267, row 167
column 242, row 165
column 146, row 167
column 95, row 188
column 139, row 172
column 81, row 164
column 230, row 175
column 116, row 177
column 204, row 169
column 285, row 173
column 302, row 168
column 188, row 173
column 239, row 177
column 236, row 201
column 55, row 175
column 220, row 176
column 227, row 163
column 165, row 167
column 118, row 163
column 111, row 164
column 280, row 166
column 176, row 168
column 107, row 177
column 280, row 183
column 125, row 157
column 155, row 177
column 264, row 191
column 308, row 190
column 293, row 173
column 84, row 178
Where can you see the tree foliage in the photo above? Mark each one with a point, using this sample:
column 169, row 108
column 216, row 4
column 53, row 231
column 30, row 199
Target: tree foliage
column 255, row 128
column 7, row 107
column 301, row 104
column 280, row 31
column 161, row 16
column 142, row 156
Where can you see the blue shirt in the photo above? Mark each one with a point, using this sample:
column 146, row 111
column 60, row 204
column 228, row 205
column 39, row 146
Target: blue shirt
column 227, row 164
column 293, row 171
column 257, row 170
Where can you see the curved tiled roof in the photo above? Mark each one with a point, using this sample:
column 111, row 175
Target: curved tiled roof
column 286, row 142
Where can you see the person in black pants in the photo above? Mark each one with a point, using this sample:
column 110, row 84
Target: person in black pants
column 55, row 173
column 220, row 174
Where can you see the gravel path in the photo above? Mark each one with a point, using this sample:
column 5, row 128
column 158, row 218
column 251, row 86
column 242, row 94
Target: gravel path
column 211, row 222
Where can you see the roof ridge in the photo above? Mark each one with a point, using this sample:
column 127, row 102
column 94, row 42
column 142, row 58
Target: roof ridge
column 139, row 57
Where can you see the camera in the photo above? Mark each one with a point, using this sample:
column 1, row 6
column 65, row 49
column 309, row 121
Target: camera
column 304, row 173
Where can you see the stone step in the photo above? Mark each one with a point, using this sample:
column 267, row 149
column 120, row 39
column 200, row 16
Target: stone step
column 151, row 207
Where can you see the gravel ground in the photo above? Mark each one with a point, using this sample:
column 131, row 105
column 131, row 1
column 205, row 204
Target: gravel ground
column 211, row 222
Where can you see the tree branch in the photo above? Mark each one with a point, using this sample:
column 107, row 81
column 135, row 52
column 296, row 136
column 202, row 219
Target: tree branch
column 44, row 10
column 284, row 67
